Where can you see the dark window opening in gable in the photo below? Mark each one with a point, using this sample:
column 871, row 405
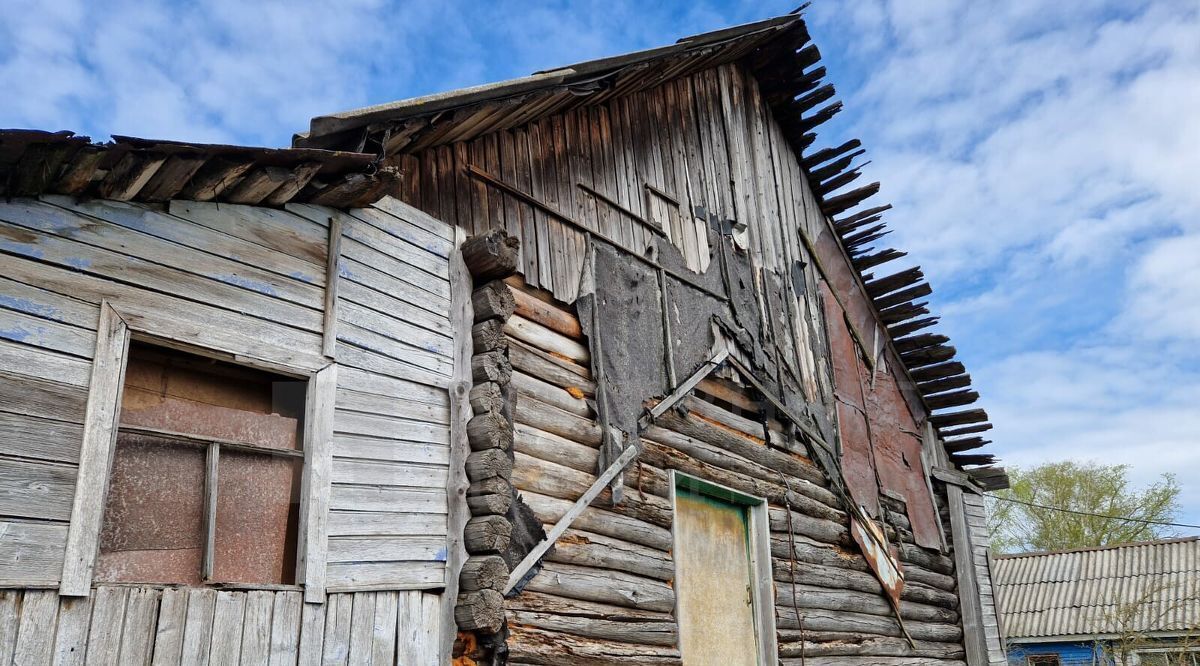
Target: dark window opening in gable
column 205, row 481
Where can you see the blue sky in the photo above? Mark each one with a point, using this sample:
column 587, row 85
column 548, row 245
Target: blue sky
column 1043, row 156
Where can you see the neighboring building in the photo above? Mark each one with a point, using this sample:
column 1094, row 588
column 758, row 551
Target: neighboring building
column 1136, row 603
column 666, row 404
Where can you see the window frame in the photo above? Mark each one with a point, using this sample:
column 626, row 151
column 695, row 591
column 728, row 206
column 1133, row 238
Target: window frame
column 759, row 538
column 100, row 428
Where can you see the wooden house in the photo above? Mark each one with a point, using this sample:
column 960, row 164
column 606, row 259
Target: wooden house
column 604, row 365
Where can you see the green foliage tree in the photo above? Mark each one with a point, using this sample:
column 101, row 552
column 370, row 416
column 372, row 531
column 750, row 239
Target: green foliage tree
column 1084, row 488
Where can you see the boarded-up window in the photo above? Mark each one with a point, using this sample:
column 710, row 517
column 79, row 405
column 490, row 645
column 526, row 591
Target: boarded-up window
column 205, row 481
column 722, row 578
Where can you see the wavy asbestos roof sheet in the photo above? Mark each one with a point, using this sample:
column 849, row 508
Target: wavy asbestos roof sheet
column 1145, row 587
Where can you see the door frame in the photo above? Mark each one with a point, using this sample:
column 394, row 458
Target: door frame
column 763, row 588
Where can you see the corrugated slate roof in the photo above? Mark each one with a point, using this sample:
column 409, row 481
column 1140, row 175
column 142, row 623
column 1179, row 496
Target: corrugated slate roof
column 1141, row 587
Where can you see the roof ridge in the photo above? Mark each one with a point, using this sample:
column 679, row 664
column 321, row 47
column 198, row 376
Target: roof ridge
column 1130, row 544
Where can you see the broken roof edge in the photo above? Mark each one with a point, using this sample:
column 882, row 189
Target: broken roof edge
column 491, row 92
column 37, row 162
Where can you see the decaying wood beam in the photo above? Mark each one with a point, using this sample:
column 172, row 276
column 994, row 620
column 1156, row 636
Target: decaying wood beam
column 844, row 202
column 172, row 177
column 826, row 154
column 126, row 179
column 257, row 185
column 811, row 99
column 297, row 179
column 965, row 444
column 808, row 123
column 928, row 356
column 890, row 283
column 867, row 261
column 39, row 165
column 952, row 399
column 904, row 295
column 968, row 430
column 840, row 181
column 919, row 342
column 908, row 327
column 972, row 459
column 214, row 178
column 77, row 174
column 903, row 312
column 492, row 255
column 964, row 417
column 835, row 167
column 946, row 384
column 942, row 370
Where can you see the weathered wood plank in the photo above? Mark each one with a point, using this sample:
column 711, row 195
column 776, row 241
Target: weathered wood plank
column 256, row 628
column 386, row 576
column 141, row 619
column 418, row 629
column 383, row 629
column 198, row 627
column 172, row 620
column 379, row 523
column 285, row 628
column 314, row 502
column 70, row 640
column 108, row 616
column 38, row 490
column 35, row 631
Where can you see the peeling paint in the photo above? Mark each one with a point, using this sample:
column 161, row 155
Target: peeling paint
column 78, row 262
column 23, row 249
column 303, row 277
column 30, row 307
column 16, row 334
column 246, row 283
column 440, row 555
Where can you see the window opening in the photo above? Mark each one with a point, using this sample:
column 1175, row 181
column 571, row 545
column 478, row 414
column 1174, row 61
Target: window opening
column 205, row 480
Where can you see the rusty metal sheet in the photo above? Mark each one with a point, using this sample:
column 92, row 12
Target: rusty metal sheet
column 887, row 569
column 714, row 583
column 857, row 466
column 898, row 457
column 257, row 510
column 154, row 517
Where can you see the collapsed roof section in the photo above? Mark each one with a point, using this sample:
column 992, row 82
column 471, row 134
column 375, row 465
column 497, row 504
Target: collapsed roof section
column 779, row 53
column 34, row 162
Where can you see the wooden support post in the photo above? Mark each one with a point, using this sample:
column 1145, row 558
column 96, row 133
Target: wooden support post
column 329, row 341
column 96, row 452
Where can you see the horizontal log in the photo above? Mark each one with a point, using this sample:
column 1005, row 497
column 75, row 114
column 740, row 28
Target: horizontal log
column 809, row 596
column 527, row 645
column 813, row 528
column 653, row 632
column 551, row 419
column 588, row 549
column 743, row 446
column 487, row 534
column 492, row 255
column 558, row 371
column 486, row 572
column 819, row 619
column 550, row 394
column 552, row 480
column 488, row 336
column 489, row 430
column 480, row 611
column 864, row 647
column 491, row 367
column 493, row 300
column 825, row 554
column 859, row 579
column 603, row 586
column 545, row 339
column 601, row 521
column 554, row 318
column 487, row 464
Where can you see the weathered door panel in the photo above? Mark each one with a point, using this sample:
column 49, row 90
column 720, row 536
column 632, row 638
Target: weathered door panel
column 714, row 582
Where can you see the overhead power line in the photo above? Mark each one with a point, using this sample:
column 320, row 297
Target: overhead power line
column 1094, row 515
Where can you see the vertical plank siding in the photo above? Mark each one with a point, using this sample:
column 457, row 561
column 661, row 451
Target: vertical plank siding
column 143, row 625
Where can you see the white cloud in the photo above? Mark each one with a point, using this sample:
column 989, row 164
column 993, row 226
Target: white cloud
column 1042, row 157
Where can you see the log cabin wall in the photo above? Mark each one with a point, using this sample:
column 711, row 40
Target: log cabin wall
column 266, row 287
column 666, row 162
column 604, row 593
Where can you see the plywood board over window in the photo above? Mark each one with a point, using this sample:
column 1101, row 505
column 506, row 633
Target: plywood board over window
column 205, row 481
column 195, row 469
